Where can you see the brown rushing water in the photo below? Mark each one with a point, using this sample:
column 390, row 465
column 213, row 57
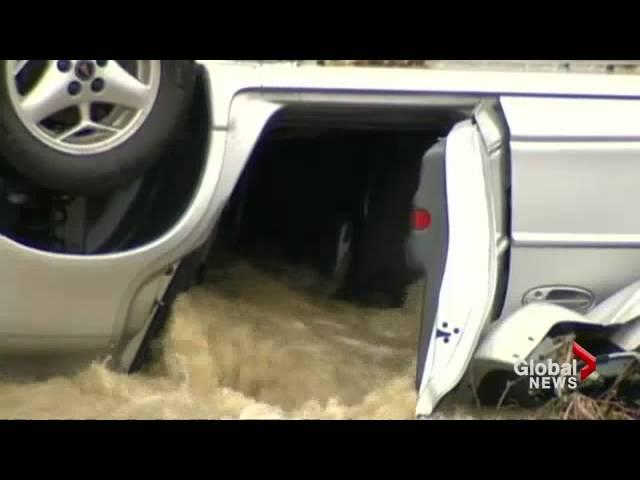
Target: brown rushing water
column 251, row 344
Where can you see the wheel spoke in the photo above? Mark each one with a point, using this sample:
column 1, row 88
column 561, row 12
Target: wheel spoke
column 84, row 126
column 49, row 96
column 71, row 132
column 122, row 88
column 104, row 128
column 20, row 64
column 85, row 112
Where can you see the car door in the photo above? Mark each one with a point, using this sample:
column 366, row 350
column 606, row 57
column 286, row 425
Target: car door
column 576, row 189
column 460, row 243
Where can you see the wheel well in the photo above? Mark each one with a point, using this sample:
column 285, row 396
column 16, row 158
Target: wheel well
column 314, row 167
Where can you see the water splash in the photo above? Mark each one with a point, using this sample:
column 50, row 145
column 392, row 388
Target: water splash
column 250, row 343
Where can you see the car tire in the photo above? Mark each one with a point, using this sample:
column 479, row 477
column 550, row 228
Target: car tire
column 379, row 274
column 89, row 152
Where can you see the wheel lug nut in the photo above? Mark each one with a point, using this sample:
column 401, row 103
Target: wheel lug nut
column 97, row 85
column 74, row 88
column 102, row 63
column 64, row 65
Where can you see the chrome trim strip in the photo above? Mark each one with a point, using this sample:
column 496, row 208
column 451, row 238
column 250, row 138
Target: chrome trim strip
column 577, row 240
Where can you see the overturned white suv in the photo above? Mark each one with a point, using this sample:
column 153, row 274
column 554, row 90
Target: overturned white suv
column 512, row 193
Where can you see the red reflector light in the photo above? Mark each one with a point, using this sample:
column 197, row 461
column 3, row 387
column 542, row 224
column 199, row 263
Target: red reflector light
column 421, row 219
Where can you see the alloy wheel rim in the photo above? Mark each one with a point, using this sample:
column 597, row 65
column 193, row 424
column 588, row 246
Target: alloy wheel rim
column 83, row 107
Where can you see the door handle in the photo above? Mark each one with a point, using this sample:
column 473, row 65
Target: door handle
column 574, row 298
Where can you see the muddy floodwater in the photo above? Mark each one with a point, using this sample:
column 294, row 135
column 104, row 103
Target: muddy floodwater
column 251, row 343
